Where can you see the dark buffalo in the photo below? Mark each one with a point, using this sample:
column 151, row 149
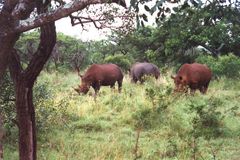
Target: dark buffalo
column 195, row 76
column 100, row 75
column 138, row 70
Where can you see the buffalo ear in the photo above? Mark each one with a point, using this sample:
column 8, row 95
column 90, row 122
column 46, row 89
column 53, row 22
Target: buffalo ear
column 173, row 77
column 75, row 89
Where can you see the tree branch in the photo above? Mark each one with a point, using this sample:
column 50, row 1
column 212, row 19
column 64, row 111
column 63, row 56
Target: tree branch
column 59, row 13
column 48, row 40
column 46, row 45
column 15, row 65
column 75, row 20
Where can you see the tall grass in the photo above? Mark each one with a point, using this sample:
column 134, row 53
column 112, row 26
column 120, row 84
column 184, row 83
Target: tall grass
column 168, row 126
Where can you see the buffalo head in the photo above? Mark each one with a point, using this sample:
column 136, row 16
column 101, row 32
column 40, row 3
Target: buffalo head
column 180, row 83
column 84, row 88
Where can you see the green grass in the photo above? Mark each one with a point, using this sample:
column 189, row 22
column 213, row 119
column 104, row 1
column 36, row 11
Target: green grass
column 170, row 126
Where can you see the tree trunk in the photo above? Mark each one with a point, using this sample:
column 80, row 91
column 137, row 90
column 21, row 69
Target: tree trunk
column 26, row 117
column 23, row 82
column 1, row 152
column 1, row 137
column 7, row 41
column 6, row 44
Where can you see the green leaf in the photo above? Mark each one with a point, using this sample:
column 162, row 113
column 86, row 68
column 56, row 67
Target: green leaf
column 157, row 5
column 147, row 8
column 142, row 23
column 153, row 9
column 167, row 10
column 160, row 3
column 175, row 9
column 133, row 2
column 145, row 17
column 138, row 21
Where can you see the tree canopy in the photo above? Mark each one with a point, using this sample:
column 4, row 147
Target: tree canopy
column 20, row 16
column 187, row 28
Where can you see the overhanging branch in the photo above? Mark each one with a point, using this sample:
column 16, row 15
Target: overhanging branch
column 59, row 13
column 98, row 22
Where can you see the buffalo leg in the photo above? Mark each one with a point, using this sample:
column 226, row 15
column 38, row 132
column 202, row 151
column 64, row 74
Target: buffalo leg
column 204, row 88
column 134, row 80
column 141, row 79
column 96, row 87
column 112, row 86
column 95, row 94
column 192, row 91
column 119, row 86
column 193, row 87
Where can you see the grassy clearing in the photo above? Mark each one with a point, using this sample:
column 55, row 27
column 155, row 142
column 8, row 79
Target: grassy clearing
column 169, row 126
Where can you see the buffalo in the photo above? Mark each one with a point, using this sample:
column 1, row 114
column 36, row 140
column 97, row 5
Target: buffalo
column 138, row 70
column 100, row 75
column 194, row 76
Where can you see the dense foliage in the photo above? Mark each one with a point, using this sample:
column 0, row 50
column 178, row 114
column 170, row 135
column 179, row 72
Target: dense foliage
column 181, row 31
column 121, row 60
column 227, row 65
column 7, row 101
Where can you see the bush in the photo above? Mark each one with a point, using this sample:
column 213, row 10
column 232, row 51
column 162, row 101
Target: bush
column 208, row 121
column 226, row 65
column 49, row 111
column 120, row 60
column 7, row 104
column 155, row 116
column 160, row 96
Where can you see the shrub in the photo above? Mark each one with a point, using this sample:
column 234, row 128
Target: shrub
column 119, row 59
column 208, row 121
column 161, row 99
column 50, row 111
column 7, row 103
column 226, row 65
column 159, row 95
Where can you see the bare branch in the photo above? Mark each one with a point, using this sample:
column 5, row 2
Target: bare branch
column 57, row 14
column 99, row 22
